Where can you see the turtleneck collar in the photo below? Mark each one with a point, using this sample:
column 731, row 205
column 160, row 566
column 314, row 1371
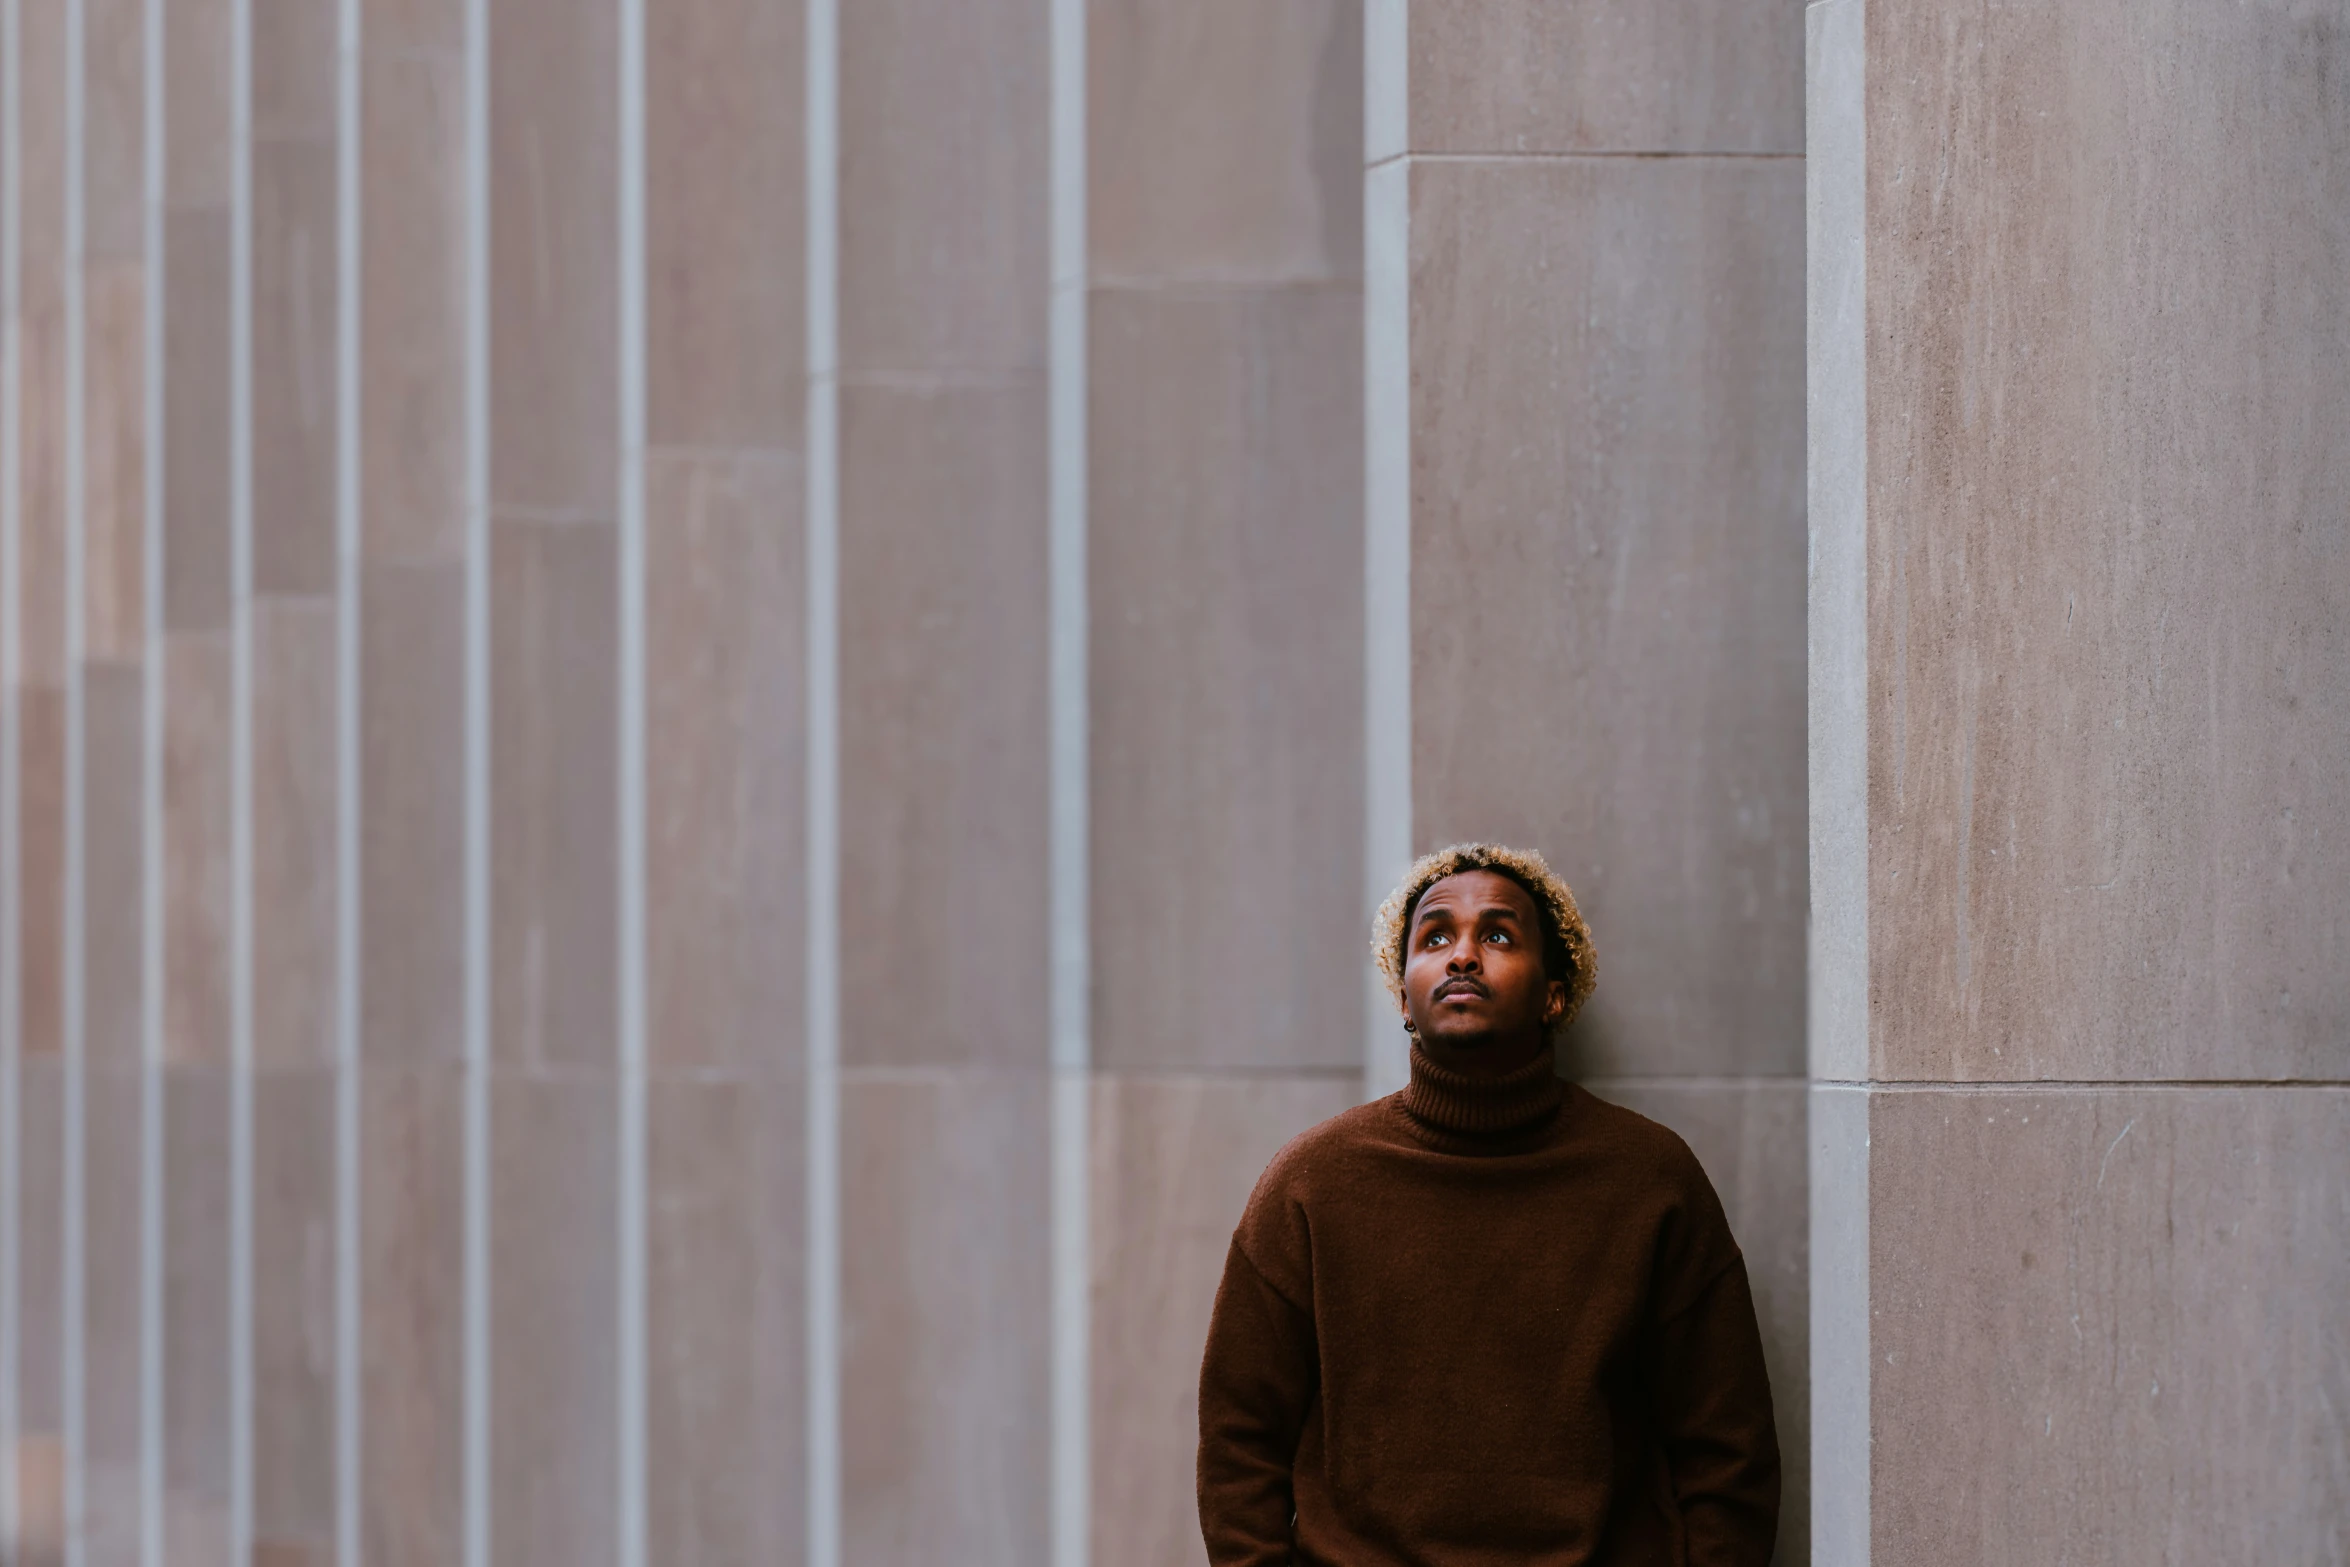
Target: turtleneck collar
column 1478, row 1109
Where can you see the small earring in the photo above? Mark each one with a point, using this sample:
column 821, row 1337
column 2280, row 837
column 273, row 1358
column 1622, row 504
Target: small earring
column 1407, row 1026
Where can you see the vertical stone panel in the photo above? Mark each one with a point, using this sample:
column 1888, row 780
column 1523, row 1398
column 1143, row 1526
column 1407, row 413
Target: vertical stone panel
column 2108, row 690
column 114, row 460
column 411, row 1285
column 1531, row 76
column 945, row 1317
column 724, row 761
column 113, row 1107
column 1172, row 1162
column 40, row 807
column 943, row 724
column 412, row 287
column 554, row 819
column 1226, row 677
column 195, row 867
column 412, row 813
column 2100, row 388
column 943, row 197
column 1607, row 361
column 293, row 1313
column 294, row 360
column 725, row 1427
column 113, row 883
column 726, row 350
column 196, row 419
column 293, row 773
column 40, row 1300
column 1224, row 143
column 554, row 1176
column 196, row 1327
column 554, row 279
column 2106, row 1324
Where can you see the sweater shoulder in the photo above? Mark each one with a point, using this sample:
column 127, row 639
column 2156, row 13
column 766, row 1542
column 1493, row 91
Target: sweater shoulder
column 1320, row 1152
column 1648, row 1147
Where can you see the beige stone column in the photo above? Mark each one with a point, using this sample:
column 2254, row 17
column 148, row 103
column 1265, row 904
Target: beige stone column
column 296, row 801
column 2081, row 717
column 413, row 547
column 114, row 773
column 944, row 975
column 38, row 729
column 1585, row 508
column 725, row 766
column 199, row 595
column 1224, row 625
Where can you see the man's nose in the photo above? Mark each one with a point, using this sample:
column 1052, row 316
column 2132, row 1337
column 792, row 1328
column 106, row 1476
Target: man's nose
column 1463, row 959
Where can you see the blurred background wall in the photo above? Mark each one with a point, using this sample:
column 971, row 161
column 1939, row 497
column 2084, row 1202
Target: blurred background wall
column 703, row 701
column 704, row 714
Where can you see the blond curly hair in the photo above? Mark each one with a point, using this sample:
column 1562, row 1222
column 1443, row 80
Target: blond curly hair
column 1566, row 940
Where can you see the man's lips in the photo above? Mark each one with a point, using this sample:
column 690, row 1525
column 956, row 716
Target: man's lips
column 1459, row 987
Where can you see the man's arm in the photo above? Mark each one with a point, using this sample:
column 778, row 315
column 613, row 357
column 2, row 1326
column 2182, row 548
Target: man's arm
column 1714, row 1415
column 1256, row 1383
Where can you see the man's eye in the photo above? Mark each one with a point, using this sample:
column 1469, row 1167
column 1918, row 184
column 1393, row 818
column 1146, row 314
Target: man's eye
column 1435, row 940
column 1501, row 936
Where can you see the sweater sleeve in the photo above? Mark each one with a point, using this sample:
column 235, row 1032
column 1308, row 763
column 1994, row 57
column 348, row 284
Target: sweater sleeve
column 1257, row 1382
column 1714, row 1417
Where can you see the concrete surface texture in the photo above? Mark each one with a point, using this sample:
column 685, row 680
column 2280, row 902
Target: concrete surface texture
column 2079, row 490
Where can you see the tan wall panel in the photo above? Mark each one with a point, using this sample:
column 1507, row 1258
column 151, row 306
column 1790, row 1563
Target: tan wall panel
column 114, row 462
column 113, row 867
column 1172, row 1163
column 294, row 280
column 40, row 848
column 1224, row 141
column 554, row 1341
column 1607, row 575
column 114, row 130
column 293, row 834
column 2104, row 1323
column 196, row 434
column 41, row 474
column 2109, row 697
column 943, row 736
column 945, row 1317
column 554, row 815
column 725, row 1427
column 1226, row 684
column 411, row 1323
column 293, row 1313
column 40, row 1298
column 197, row 1416
column 725, row 818
column 725, row 345
column 199, row 49
column 196, row 861
column 112, row 1111
column 412, row 813
column 554, row 248
column 1523, row 76
column 412, row 301
column 943, row 170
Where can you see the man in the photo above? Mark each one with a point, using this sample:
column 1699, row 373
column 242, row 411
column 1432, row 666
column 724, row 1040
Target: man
column 1489, row 1319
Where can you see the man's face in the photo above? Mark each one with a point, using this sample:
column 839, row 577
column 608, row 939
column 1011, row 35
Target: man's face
column 1472, row 974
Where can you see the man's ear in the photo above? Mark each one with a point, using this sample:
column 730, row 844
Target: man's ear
column 1554, row 1006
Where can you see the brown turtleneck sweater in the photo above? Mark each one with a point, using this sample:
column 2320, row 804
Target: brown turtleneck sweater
column 1486, row 1323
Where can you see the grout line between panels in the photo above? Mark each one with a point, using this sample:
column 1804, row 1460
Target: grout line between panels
column 823, row 784
column 153, row 692
column 348, row 1415
column 241, row 976
column 11, row 947
column 475, row 1439
column 1069, row 805
column 73, row 935
column 631, row 1402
